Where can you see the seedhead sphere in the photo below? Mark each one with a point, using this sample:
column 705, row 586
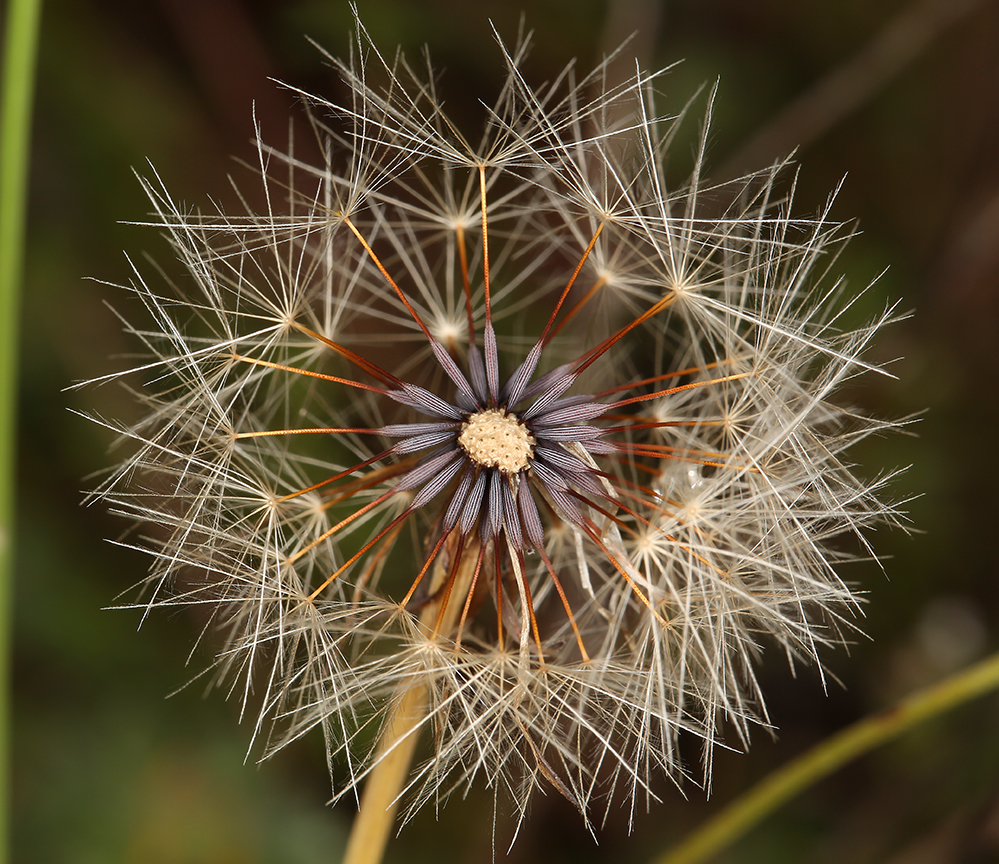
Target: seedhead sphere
column 512, row 428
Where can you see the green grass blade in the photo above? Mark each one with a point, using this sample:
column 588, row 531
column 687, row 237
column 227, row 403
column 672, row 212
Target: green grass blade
column 20, row 50
column 827, row 756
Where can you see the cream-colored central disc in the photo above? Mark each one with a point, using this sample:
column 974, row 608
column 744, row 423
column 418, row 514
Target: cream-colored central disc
column 496, row 439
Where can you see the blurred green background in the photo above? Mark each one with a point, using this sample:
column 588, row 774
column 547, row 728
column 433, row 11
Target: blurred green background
column 901, row 97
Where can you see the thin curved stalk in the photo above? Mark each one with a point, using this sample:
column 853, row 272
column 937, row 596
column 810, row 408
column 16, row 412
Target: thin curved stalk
column 830, row 754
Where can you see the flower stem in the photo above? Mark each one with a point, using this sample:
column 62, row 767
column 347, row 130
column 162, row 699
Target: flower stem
column 832, row 753
column 20, row 52
column 370, row 832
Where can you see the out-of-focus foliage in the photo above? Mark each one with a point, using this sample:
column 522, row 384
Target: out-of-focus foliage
column 108, row 770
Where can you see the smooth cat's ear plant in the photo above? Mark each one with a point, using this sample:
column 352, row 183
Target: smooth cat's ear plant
column 505, row 448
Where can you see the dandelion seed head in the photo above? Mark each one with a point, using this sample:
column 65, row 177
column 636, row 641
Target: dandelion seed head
column 435, row 422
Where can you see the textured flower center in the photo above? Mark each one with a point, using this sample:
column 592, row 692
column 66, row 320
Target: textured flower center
column 496, row 439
